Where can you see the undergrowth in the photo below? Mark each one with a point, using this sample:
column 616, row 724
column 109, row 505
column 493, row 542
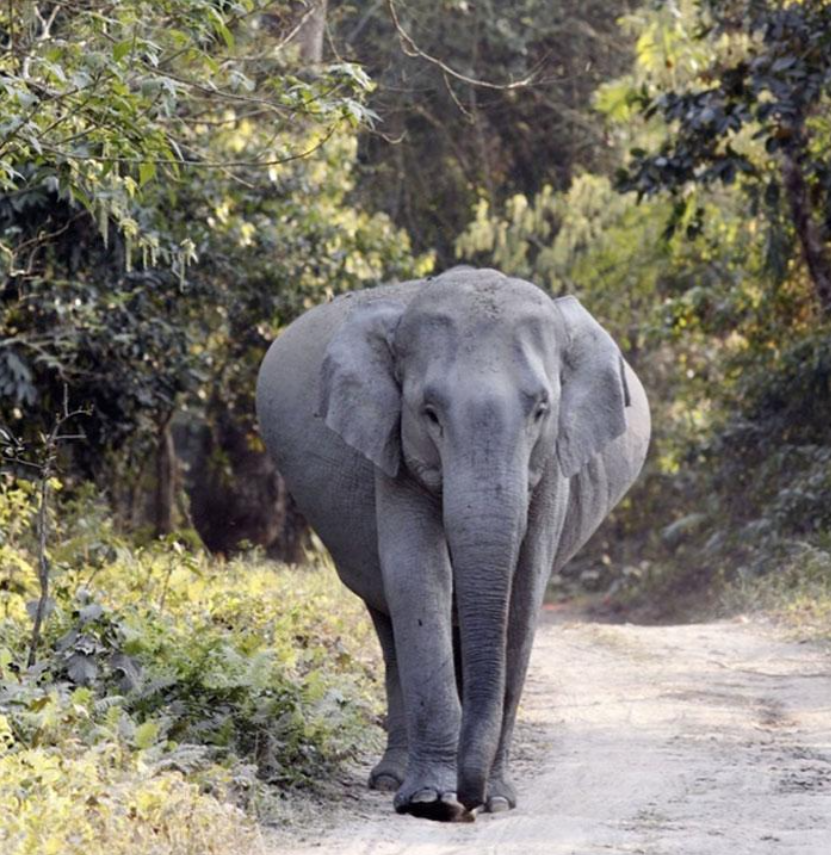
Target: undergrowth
column 175, row 699
column 797, row 596
column 734, row 515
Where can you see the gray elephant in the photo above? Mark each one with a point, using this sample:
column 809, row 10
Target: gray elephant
column 453, row 441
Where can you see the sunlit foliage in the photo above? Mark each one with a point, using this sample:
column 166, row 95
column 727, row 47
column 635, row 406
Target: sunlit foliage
column 99, row 99
column 708, row 291
column 754, row 112
column 172, row 695
column 445, row 144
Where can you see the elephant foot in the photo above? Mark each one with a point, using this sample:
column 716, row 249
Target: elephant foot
column 501, row 794
column 388, row 773
column 432, row 795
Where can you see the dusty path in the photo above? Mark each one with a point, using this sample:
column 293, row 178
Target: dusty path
column 689, row 740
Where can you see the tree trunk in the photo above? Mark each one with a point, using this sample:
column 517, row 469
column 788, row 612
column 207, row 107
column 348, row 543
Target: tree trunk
column 808, row 231
column 236, row 495
column 164, row 497
column 310, row 35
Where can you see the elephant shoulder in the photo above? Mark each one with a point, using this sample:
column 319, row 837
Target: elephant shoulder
column 311, row 332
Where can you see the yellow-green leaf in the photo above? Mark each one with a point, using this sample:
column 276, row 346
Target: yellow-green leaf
column 146, row 734
column 147, row 171
column 121, row 49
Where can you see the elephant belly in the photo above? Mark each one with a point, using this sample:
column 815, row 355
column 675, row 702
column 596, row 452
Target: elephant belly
column 589, row 504
column 606, row 478
column 338, row 501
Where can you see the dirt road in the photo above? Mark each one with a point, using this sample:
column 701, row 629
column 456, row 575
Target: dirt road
column 689, row 740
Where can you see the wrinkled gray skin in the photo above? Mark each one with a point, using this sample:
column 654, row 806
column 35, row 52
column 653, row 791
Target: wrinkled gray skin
column 452, row 441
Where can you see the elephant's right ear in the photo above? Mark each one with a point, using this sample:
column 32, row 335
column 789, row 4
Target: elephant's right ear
column 359, row 396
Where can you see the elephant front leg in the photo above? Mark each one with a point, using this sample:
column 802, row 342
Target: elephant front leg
column 418, row 589
column 501, row 790
column 527, row 595
column 388, row 773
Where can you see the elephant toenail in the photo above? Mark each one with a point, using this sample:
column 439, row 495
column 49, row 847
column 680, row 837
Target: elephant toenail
column 424, row 796
column 498, row 804
column 385, row 783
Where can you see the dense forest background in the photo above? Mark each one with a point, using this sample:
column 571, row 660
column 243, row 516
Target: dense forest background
column 180, row 179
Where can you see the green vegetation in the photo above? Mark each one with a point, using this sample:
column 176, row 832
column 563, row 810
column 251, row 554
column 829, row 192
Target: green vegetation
column 527, row 123
column 796, row 596
column 703, row 276
column 180, row 179
column 174, row 697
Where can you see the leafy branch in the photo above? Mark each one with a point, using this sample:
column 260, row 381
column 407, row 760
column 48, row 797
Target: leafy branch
column 412, row 49
column 98, row 103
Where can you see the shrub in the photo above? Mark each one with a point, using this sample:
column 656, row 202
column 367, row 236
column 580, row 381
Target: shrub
column 170, row 692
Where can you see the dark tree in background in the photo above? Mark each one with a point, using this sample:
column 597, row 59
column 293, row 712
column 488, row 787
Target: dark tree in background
column 174, row 182
column 443, row 143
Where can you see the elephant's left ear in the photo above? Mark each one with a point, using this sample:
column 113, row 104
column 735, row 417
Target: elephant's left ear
column 594, row 391
column 359, row 396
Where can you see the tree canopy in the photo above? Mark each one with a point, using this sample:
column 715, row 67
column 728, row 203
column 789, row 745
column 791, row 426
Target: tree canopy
column 181, row 179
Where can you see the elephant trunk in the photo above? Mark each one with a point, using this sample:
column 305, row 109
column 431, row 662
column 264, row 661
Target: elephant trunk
column 484, row 517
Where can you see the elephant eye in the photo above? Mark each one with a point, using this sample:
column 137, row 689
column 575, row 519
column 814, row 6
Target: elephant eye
column 431, row 415
column 540, row 411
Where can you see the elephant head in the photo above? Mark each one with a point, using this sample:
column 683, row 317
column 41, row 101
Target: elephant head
column 476, row 389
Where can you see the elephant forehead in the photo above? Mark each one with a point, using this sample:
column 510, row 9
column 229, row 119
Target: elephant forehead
column 481, row 291
column 476, row 309
column 483, row 356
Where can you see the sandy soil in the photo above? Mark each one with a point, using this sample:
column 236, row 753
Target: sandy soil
column 683, row 740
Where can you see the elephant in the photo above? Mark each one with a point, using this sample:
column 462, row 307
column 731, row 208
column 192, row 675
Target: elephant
column 453, row 441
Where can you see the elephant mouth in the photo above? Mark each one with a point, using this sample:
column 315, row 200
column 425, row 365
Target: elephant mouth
column 430, row 477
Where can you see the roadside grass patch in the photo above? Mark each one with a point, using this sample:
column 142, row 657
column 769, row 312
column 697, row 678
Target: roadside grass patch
column 797, row 595
column 176, row 700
